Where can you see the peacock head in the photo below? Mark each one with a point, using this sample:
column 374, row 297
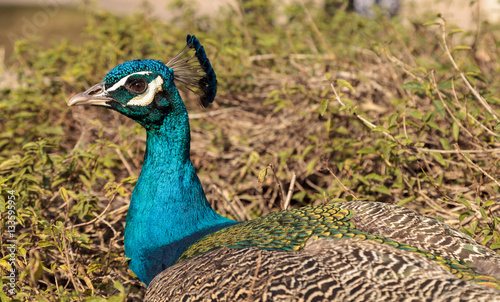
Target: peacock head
column 145, row 90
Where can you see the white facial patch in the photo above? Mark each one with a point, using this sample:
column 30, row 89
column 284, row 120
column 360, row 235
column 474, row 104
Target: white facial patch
column 123, row 80
column 147, row 97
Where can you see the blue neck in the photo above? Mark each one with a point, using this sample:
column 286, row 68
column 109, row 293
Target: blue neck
column 168, row 211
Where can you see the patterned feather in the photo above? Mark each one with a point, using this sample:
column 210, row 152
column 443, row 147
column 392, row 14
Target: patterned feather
column 426, row 233
column 292, row 230
column 324, row 253
column 344, row 270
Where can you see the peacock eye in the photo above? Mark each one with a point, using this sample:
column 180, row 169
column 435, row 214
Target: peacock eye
column 136, row 86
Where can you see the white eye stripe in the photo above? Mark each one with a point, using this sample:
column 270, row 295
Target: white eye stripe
column 124, row 80
column 147, row 97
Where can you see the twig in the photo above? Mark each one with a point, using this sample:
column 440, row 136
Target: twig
column 342, row 185
column 115, row 232
column 243, row 210
column 241, row 14
column 65, row 256
column 119, row 210
column 467, row 112
column 404, row 126
column 365, row 121
column 125, row 162
column 315, row 27
column 235, row 212
column 467, row 83
column 290, row 192
column 476, row 166
column 448, row 109
column 137, row 165
column 280, row 187
column 488, row 151
column 372, row 126
column 408, row 72
column 403, row 66
column 95, row 219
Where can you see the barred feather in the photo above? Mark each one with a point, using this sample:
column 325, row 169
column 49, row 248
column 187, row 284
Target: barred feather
column 344, row 270
column 355, row 251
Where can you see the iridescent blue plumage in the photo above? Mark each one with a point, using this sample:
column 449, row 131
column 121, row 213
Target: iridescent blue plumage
column 130, row 67
column 168, row 211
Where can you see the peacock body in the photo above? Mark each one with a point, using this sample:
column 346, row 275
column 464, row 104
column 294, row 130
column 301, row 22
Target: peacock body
column 185, row 251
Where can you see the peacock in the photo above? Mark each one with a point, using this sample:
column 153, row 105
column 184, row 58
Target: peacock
column 183, row 250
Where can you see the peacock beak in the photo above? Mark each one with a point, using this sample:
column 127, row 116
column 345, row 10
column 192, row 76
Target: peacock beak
column 95, row 95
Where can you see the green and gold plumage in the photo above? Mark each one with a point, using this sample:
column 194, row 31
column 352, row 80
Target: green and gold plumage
column 353, row 251
column 291, row 230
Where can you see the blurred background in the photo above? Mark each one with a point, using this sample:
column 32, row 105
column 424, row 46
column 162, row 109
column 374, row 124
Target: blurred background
column 53, row 20
column 58, row 19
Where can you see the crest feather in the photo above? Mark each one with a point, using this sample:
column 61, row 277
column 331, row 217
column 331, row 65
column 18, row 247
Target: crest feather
column 194, row 71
